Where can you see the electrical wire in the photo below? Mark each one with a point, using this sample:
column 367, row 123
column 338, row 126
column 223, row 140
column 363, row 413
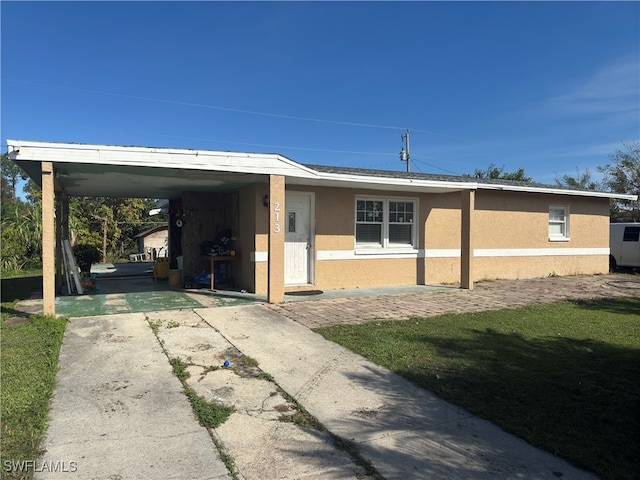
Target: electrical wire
column 252, row 112
column 239, row 110
column 200, row 105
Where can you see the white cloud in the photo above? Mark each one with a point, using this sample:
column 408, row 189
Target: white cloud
column 613, row 90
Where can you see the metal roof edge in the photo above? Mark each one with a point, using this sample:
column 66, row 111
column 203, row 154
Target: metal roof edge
column 412, row 182
column 559, row 191
column 308, row 171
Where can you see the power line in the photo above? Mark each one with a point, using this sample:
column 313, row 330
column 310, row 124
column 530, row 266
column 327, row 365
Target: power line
column 434, row 166
column 252, row 112
column 214, row 140
column 238, row 110
column 199, row 105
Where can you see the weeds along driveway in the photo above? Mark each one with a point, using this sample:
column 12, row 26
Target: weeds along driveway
column 269, row 435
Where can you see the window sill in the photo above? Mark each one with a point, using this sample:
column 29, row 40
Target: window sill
column 385, row 251
column 559, row 239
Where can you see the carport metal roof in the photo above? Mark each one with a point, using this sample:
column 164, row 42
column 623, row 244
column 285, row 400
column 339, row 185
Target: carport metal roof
column 117, row 171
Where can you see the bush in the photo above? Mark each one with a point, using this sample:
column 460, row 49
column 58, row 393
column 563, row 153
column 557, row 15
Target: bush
column 86, row 255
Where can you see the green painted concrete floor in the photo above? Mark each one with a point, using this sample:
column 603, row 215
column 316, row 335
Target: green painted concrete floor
column 130, row 288
column 144, row 294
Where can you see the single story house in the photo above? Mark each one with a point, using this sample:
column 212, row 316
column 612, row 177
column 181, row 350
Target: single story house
column 154, row 243
column 297, row 226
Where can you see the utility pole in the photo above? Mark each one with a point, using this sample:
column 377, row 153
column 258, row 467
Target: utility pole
column 404, row 154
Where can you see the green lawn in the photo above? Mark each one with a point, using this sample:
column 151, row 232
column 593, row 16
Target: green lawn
column 29, row 360
column 28, row 366
column 565, row 377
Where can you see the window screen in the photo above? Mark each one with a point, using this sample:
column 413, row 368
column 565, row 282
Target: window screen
column 558, row 222
column 369, row 215
column 400, row 223
column 384, row 223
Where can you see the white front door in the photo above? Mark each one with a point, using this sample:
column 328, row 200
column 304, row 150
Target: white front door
column 298, row 249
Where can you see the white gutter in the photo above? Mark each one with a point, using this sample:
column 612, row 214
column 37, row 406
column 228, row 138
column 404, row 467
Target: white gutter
column 558, row 191
column 249, row 163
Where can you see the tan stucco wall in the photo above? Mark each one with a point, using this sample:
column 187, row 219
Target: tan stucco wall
column 335, row 225
column 502, row 220
column 511, row 221
column 520, row 220
column 506, row 221
column 442, row 216
column 525, row 267
column 335, row 274
column 277, row 222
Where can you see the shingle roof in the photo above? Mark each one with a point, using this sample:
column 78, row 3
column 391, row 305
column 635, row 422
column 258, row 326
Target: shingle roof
column 368, row 172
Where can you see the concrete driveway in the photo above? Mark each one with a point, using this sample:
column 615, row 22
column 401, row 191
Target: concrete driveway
column 119, row 413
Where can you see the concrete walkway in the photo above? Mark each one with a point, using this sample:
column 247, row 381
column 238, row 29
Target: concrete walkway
column 119, row 412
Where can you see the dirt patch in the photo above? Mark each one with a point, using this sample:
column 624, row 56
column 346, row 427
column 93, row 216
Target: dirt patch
column 14, row 321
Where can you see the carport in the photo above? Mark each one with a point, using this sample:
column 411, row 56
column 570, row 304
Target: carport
column 66, row 170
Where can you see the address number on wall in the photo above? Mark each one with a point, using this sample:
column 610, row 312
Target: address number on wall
column 276, row 217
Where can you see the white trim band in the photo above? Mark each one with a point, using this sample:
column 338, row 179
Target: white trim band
column 539, row 252
column 258, row 257
column 455, row 253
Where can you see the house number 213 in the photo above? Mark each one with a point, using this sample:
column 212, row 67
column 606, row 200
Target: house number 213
column 276, row 217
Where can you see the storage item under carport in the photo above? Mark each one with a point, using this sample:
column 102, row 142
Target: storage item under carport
column 161, row 268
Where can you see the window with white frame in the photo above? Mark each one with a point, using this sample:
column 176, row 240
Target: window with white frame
column 385, row 223
column 400, row 223
column 369, row 222
column 558, row 223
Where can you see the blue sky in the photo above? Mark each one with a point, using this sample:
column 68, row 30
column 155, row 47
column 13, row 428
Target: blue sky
column 546, row 86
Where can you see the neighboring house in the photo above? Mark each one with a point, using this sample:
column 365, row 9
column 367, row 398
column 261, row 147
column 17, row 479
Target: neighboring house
column 298, row 226
column 154, row 243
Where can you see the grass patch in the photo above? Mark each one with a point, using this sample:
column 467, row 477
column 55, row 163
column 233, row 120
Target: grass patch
column 209, row 414
column 28, row 364
column 301, row 417
column 248, row 361
column 266, row 376
column 226, row 458
column 352, row 450
column 180, row 369
column 565, row 377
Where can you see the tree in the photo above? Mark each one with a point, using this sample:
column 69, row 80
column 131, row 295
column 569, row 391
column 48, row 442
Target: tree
column 21, row 236
column 11, row 173
column 622, row 175
column 21, row 232
column 582, row 181
column 110, row 224
column 495, row 172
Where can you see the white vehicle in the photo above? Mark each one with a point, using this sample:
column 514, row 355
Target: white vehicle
column 624, row 245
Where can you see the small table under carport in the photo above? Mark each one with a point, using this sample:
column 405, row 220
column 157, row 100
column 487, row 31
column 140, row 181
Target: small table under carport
column 218, row 258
